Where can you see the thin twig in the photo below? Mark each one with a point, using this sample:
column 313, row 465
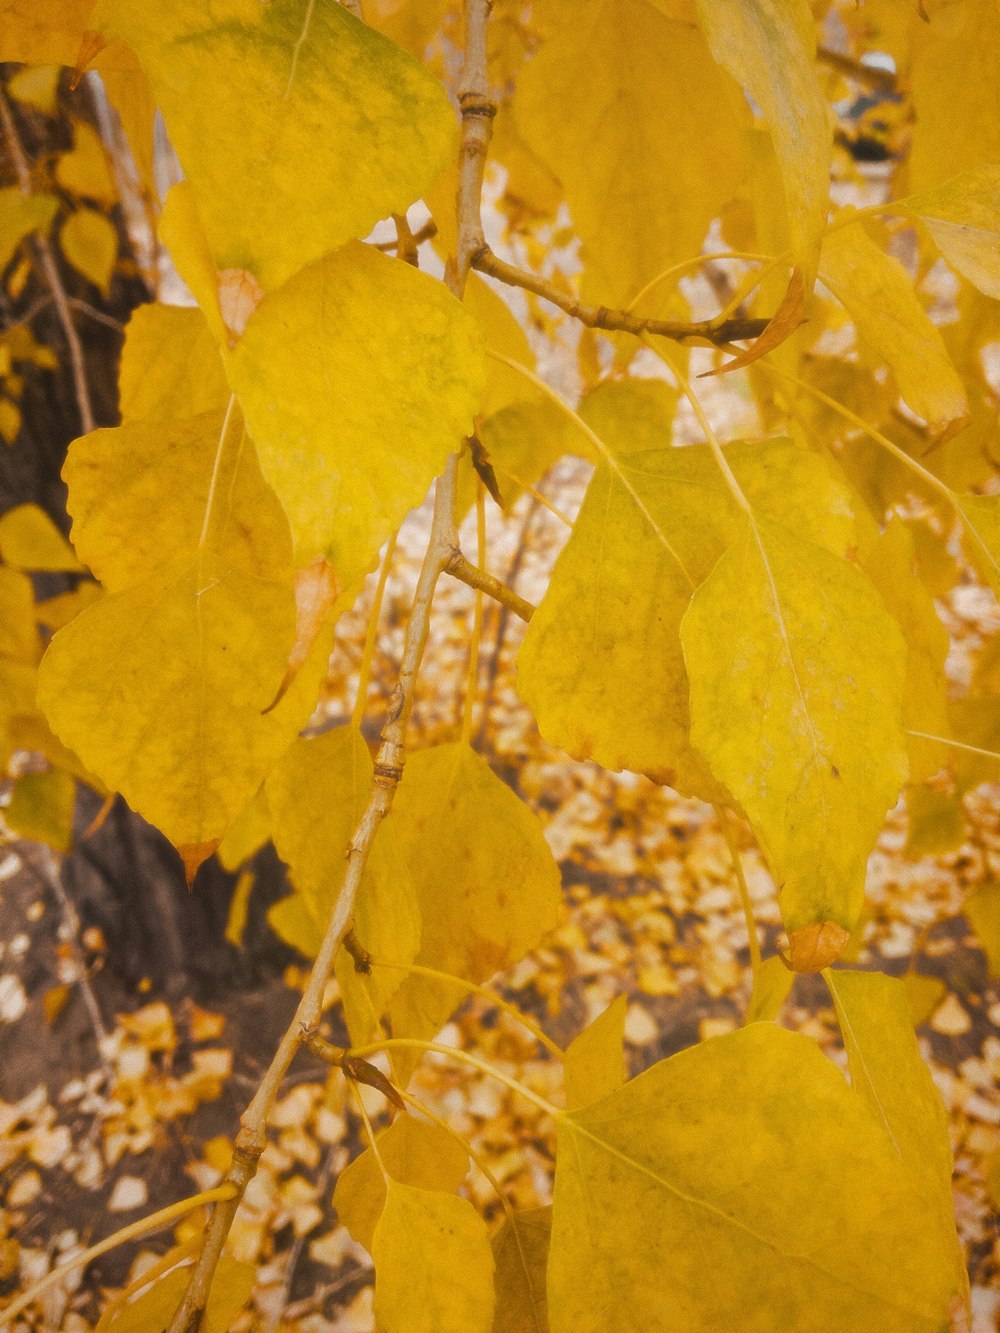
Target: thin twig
column 281, row 1306
column 50, row 271
column 406, row 242
column 466, row 572
column 422, row 234
column 623, row 321
column 882, row 80
column 477, row 116
column 503, row 619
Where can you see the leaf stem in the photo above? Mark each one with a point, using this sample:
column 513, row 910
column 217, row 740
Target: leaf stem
column 365, row 669
column 464, row 1057
column 142, row 1227
column 472, row 677
column 734, row 852
column 956, row 745
column 216, row 469
column 473, row 989
column 462, row 569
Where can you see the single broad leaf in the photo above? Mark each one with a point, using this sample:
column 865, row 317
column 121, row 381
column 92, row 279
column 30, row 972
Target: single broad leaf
column 43, row 34
column 982, row 531
column 316, row 794
column 331, row 97
column 601, row 666
column 887, row 1072
column 741, row 1184
column 155, row 1306
column 878, row 294
column 595, row 1059
column 982, row 907
column 357, row 378
column 502, row 333
column 768, row 46
column 521, row 1253
column 522, row 441
column 19, row 641
column 247, row 836
column 84, row 170
column 923, row 994
column 936, row 818
column 963, row 216
column 129, row 93
column 30, row 540
column 41, row 808
column 487, row 884
column 21, row 215
column 645, row 170
column 891, row 566
column 412, row 1152
column 170, row 368
column 139, row 494
column 797, row 674
column 159, row 688
column 771, row 988
column 433, row 1264
column 181, row 231
column 632, row 416
column 316, row 593
column 90, row 243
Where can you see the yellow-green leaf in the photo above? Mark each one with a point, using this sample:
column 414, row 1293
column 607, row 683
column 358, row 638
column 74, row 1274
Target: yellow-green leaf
column 644, row 168
column 42, row 34
column 30, row 540
column 595, row 1059
column 413, row 1152
column 878, row 294
column 247, row 836
column 316, row 795
column 358, row 378
column 170, row 367
column 521, row 1253
column 771, row 989
column 741, row 1184
column 433, row 1264
column 797, row 673
column 963, row 216
column 982, row 907
column 601, row 667
column 154, row 1307
column 330, row 97
column 41, row 808
column 159, row 689
column 20, row 215
column 923, row 995
column 887, row 1072
column 982, row 520
column 487, row 884
column 90, row 243
column 139, row 493
column 936, row 818
column 18, row 636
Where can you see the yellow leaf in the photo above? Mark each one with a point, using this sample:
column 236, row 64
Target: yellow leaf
column 797, row 674
column 501, row 333
column 410, row 23
column 937, row 818
column 90, row 243
column 30, row 540
column 236, row 921
column 354, row 416
column 41, row 808
column 36, row 85
column 982, row 517
column 18, row 636
column 20, row 215
column 521, row 1252
column 433, row 1264
column 487, row 884
column 129, row 93
column 644, row 168
column 741, row 1184
column 84, row 169
column 595, row 1059
column 771, row 989
column 154, row 1307
column 963, row 216
column 982, row 907
column 768, row 47
column 316, row 794
column 159, row 688
column 888, row 1074
column 170, row 367
column 138, row 495
column 57, row 611
column 923, row 995
column 329, row 96
column 878, row 294
column 413, row 1152
column 247, row 836
column 601, row 667
column 181, row 231
column 43, row 34
column 891, row 566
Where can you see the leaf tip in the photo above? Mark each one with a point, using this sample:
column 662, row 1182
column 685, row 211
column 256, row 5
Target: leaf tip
column 192, row 854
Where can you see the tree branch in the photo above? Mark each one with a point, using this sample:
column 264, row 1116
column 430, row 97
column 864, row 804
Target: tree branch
column 466, row 572
column 51, row 274
column 477, row 116
column 622, row 321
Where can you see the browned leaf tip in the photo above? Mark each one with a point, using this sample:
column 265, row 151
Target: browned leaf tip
column 787, row 318
column 192, row 854
column 813, row 947
column 316, row 590
column 363, row 1072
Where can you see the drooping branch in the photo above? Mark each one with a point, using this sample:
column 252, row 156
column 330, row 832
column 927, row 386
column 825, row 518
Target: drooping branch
column 718, row 332
column 466, row 572
column 477, row 116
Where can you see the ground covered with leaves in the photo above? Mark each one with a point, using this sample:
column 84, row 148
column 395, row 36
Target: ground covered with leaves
column 119, row 1100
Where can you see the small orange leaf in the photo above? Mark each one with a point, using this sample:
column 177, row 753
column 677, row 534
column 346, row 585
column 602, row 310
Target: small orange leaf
column 316, row 590
column 786, row 319
column 813, row 947
column 239, row 296
column 192, row 854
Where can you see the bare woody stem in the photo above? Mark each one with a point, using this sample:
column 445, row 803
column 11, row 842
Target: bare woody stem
column 466, row 572
column 51, row 274
column 718, row 332
column 477, row 115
